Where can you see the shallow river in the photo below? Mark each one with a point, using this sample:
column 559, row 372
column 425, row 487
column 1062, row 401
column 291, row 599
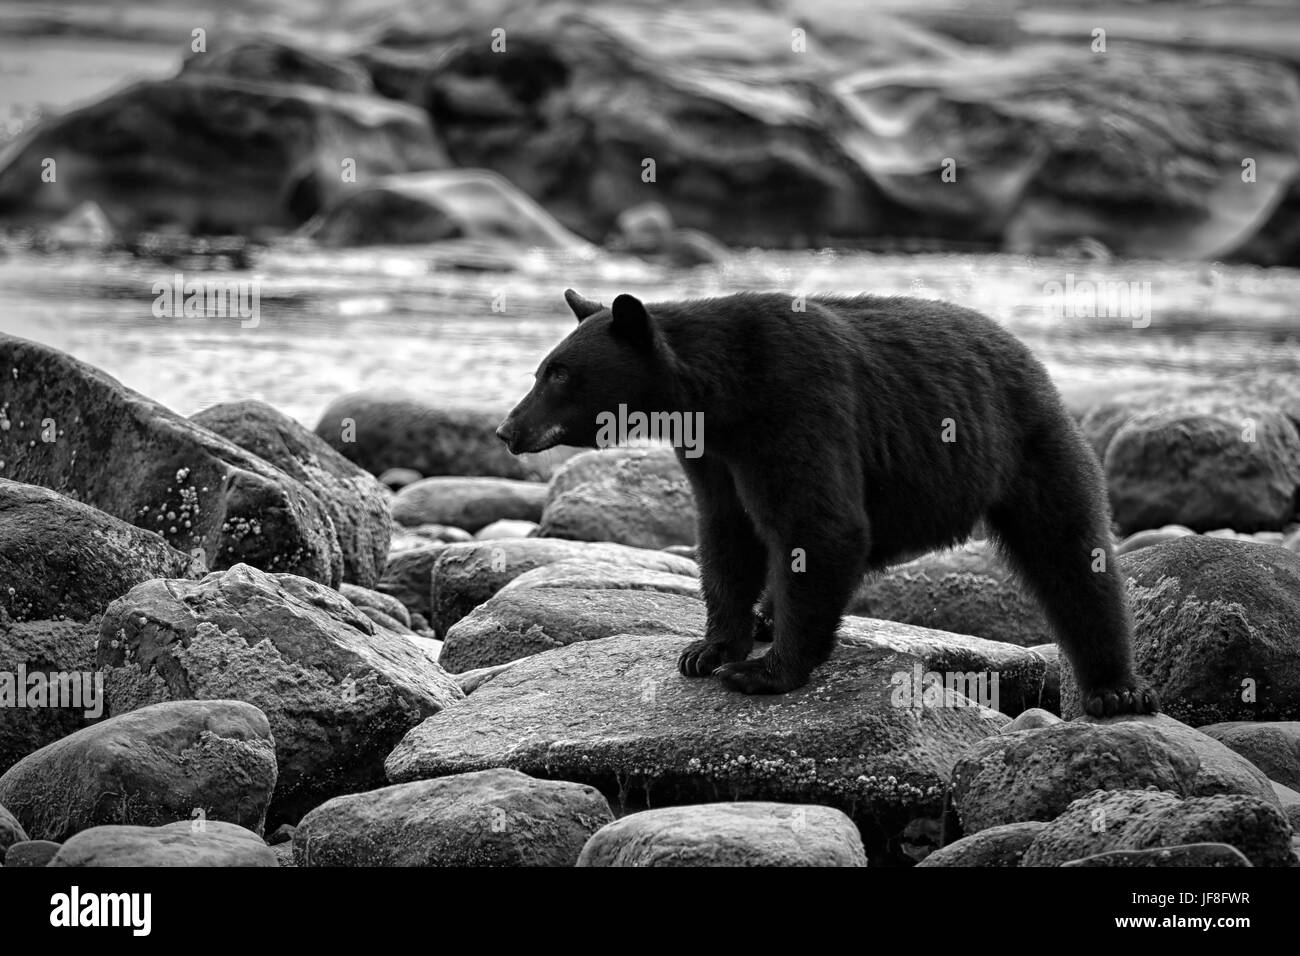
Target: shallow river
column 332, row 322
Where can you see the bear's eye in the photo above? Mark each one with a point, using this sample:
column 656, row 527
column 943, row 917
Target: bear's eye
column 558, row 375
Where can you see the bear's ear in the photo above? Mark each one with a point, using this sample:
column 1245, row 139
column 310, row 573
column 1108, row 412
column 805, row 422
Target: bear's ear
column 582, row 307
column 631, row 320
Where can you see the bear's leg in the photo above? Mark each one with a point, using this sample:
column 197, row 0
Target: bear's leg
column 808, row 595
column 1052, row 525
column 733, row 564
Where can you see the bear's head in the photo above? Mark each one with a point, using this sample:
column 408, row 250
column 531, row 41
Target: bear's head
column 611, row 358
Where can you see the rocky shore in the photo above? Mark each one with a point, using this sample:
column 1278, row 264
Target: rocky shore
column 385, row 642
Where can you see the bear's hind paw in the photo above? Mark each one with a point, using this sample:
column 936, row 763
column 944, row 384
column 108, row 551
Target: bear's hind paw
column 1114, row 701
column 757, row 677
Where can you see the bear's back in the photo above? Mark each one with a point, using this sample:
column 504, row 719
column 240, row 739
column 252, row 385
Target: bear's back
column 921, row 339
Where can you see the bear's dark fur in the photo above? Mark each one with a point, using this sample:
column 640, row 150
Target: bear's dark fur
column 858, row 430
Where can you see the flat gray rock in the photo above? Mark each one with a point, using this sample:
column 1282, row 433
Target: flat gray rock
column 728, row 834
column 177, row 844
column 488, row 818
column 616, row 714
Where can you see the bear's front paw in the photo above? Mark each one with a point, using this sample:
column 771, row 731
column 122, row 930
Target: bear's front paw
column 758, row 676
column 1126, row 698
column 704, row 657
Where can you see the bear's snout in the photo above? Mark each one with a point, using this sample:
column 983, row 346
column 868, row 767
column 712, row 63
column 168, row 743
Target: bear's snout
column 506, row 432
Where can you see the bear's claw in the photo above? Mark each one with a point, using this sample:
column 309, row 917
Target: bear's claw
column 1112, row 701
column 704, row 657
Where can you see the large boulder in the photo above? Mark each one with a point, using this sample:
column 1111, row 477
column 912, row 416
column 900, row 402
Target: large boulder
column 379, row 430
column 515, row 624
column 966, row 590
column 182, row 760
column 1104, row 821
column 728, row 834
column 469, row 503
column 638, row 497
column 70, row 428
column 242, row 156
column 436, row 206
column 355, row 501
column 56, row 650
column 338, row 691
column 1216, row 629
column 1205, row 464
column 488, row 818
column 1272, row 746
column 1037, row 774
column 617, row 715
column 60, row 558
column 465, row 575
column 187, row 843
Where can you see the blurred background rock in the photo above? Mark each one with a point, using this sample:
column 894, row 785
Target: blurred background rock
column 781, row 124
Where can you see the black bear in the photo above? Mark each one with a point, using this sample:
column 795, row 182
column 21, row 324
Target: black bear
column 841, row 434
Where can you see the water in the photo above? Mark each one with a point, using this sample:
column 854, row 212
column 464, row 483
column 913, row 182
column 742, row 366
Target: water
column 408, row 319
